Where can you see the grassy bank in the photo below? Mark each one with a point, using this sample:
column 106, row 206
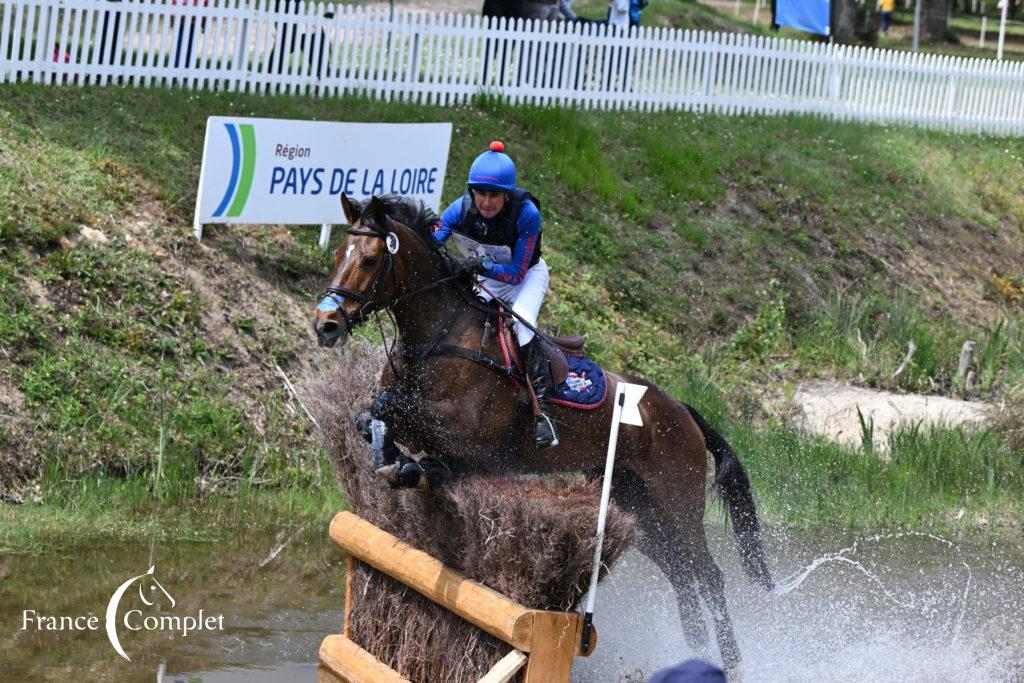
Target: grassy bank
column 735, row 255
column 103, row 508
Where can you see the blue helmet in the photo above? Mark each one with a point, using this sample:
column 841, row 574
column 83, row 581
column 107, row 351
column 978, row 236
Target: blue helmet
column 493, row 170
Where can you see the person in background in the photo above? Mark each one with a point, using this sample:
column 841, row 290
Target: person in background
column 543, row 10
column 510, row 9
column 565, row 10
column 618, row 13
column 690, row 671
column 635, row 8
column 887, row 9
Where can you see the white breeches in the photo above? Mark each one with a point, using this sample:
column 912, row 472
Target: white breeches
column 526, row 297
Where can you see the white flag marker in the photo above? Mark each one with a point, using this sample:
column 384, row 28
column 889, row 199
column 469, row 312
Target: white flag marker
column 626, row 410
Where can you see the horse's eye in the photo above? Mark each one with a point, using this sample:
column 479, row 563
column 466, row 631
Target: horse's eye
column 368, row 262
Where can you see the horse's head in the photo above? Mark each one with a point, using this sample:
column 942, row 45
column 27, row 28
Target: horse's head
column 364, row 278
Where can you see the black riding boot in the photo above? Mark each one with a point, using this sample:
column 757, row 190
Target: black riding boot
column 539, row 371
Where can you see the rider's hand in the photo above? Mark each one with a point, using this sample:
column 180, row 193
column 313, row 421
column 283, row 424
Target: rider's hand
column 470, row 266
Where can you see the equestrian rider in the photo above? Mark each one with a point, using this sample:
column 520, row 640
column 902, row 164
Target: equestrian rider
column 496, row 213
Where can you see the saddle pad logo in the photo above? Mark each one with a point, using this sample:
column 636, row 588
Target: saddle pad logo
column 577, row 382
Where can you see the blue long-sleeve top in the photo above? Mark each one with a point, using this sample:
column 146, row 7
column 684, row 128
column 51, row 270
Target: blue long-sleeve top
column 527, row 234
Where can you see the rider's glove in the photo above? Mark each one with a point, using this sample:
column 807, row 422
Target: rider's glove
column 471, row 266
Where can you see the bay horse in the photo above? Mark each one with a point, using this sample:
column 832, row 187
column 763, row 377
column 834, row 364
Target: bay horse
column 445, row 394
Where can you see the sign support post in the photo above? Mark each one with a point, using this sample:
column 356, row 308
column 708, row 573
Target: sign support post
column 325, row 235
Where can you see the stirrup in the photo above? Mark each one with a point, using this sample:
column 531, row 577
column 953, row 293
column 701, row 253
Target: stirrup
column 551, row 427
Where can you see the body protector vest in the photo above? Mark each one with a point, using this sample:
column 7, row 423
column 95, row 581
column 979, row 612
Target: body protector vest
column 502, row 229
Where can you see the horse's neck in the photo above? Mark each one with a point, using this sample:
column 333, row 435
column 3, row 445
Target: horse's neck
column 426, row 318
column 422, row 319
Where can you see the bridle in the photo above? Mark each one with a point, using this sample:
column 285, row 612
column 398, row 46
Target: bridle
column 367, row 306
column 366, row 303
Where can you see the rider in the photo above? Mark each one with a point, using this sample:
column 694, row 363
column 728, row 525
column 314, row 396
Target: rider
column 496, row 213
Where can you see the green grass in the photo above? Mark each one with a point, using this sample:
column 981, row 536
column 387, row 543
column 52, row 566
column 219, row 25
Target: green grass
column 933, row 472
column 104, row 508
column 722, row 257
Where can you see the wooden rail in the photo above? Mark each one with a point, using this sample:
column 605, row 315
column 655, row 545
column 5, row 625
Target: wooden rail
column 546, row 641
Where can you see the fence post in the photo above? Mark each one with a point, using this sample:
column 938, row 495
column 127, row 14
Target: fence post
column 950, row 94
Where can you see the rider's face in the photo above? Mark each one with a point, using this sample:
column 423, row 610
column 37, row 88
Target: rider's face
column 489, row 203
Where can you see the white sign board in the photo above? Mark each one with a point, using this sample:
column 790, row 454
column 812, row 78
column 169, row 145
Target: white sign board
column 292, row 172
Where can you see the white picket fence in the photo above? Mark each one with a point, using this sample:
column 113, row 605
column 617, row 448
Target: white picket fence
column 446, row 59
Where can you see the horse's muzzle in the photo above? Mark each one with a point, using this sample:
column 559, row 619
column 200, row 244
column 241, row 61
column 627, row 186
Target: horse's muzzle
column 329, row 332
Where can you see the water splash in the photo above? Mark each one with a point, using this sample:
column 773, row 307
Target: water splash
column 796, row 579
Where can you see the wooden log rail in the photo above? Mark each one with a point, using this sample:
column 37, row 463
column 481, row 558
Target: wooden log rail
column 544, row 642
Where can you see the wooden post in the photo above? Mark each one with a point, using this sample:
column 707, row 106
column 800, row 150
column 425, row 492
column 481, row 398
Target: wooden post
column 551, row 638
column 555, row 642
column 350, row 565
column 486, row 609
column 506, row 668
column 966, row 359
column 350, row 662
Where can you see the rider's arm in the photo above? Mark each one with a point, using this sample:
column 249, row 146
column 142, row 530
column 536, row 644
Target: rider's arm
column 528, row 233
column 450, row 220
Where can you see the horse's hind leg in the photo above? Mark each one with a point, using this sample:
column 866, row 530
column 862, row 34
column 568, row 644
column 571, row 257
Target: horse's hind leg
column 712, row 588
column 664, row 549
column 668, row 554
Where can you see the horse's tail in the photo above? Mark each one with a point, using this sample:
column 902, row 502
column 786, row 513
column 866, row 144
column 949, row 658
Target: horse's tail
column 732, row 483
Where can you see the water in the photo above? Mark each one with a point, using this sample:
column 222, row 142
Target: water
column 276, row 611
column 891, row 606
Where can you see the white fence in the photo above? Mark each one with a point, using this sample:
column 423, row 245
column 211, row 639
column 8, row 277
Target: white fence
column 446, row 59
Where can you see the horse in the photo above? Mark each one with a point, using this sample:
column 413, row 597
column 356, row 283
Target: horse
column 444, row 394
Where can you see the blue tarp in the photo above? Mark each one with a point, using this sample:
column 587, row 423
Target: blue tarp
column 804, row 15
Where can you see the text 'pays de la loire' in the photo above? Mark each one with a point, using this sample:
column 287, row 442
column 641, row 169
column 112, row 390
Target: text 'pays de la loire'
column 312, row 181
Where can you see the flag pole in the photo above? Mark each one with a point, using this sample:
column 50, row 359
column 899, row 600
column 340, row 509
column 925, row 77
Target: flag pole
column 602, row 516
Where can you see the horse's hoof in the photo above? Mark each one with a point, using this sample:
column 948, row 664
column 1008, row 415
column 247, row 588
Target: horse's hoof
column 388, row 473
column 412, row 476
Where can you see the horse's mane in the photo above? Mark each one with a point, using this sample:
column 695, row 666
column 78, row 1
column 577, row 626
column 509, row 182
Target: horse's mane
column 408, row 211
column 421, row 219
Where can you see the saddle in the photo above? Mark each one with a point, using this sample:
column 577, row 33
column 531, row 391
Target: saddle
column 556, row 351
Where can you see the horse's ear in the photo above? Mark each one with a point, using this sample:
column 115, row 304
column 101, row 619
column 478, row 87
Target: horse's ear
column 378, row 216
column 352, row 211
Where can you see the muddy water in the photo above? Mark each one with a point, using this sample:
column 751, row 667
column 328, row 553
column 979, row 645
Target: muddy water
column 276, row 610
column 895, row 607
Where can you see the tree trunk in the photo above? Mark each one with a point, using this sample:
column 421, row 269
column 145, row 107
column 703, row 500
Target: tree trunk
column 934, row 20
column 844, row 20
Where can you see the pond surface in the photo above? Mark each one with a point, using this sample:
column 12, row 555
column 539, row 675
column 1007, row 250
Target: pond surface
column 907, row 607
column 276, row 609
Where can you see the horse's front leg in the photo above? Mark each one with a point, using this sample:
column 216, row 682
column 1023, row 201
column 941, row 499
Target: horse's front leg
column 391, row 412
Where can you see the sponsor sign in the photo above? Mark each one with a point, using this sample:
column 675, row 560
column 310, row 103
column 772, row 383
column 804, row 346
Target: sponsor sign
column 292, row 172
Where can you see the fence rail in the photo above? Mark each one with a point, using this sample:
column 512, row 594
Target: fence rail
column 446, row 59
